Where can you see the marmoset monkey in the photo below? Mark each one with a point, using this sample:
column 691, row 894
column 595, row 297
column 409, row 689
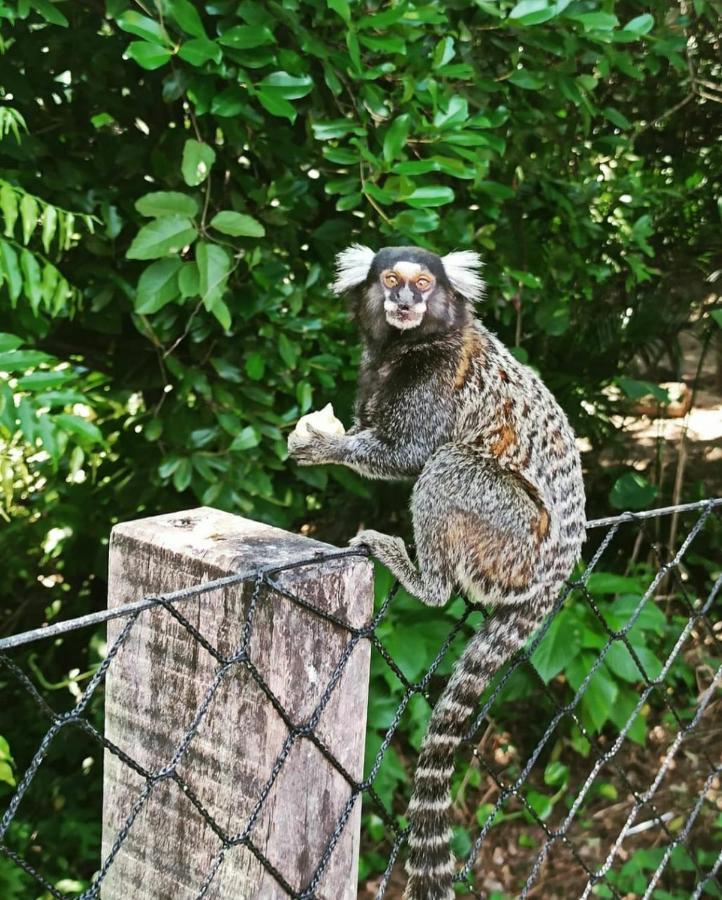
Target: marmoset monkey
column 498, row 503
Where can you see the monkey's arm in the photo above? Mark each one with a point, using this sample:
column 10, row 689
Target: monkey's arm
column 398, row 447
column 362, row 450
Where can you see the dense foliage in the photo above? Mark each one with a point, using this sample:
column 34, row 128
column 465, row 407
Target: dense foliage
column 178, row 176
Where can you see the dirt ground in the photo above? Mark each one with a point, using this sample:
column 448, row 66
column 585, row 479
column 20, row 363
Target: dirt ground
column 672, row 452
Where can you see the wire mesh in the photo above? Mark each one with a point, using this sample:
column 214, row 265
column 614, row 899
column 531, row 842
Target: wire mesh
column 586, row 783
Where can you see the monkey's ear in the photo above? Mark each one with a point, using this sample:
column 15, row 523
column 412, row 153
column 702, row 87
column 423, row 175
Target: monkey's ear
column 461, row 269
column 352, row 267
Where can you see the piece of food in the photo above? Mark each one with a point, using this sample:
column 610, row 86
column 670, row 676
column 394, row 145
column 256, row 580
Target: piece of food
column 322, row 420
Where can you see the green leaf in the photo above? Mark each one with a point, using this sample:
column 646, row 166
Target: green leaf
column 290, row 87
column 246, row 439
column 31, row 279
column 609, row 583
column 651, row 663
column 620, row 713
column 620, row 662
column 287, row 351
column 525, row 79
column 186, row 15
column 395, row 138
column 416, row 221
column 6, row 773
column 86, row 433
column 616, row 118
column 43, row 381
column 162, row 237
column 142, row 26
column 496, row 191
column 197, row 162
column 9, row 205
column 227, row 370
column 443, row 52
column 255, row 366
column 189, row 280
column 277, row 105
column 432, row 195
column 600, row 693
column 167, row 203
column 50, row 12
column 534, row 12
column 341, row 7
column 50, row 221
column 157, row 286
column 222, row 314
column 632, row 491
column 641, row 24
column 199, row 51
column 29, row 215
column 716, row 315
column 596, row 21
column 9, row 342
column 541, row 804
column 454, row 113
column 11, row 270
column 20, row 360
column 354, row 51
column 183, row 474
column 230, row 102
column 556, row 773
column 558, row 647
column 636, row 390
column 237, row 224
column 650, row 618
column 246, row 37
column 214, row 264
column 148, row 56
column 328, row 131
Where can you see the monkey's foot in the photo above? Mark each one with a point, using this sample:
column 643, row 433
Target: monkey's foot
column 383, row 546
column 391, row 551
column 433, row 588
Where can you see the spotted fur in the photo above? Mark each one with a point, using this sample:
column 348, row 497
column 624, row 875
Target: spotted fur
column 497, row 504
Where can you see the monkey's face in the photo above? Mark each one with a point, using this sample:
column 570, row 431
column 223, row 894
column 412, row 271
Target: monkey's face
column 407, row 287
column 408, row 290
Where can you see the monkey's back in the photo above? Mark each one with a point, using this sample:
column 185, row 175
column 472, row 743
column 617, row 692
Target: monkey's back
column 506, row 411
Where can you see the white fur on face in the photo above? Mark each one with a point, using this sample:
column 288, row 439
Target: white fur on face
column 461, row 269
column 404, row 319
column 411, row 318
column 352, row 267
column 407, row 270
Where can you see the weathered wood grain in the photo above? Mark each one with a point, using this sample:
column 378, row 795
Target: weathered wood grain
column 159, row 679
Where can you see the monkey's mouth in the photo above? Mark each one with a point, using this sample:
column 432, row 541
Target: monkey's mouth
column 404, row 318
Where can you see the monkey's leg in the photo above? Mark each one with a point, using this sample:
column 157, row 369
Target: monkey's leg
column 432, row 585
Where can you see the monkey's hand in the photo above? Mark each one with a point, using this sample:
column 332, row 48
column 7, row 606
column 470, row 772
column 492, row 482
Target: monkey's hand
column 314, row 447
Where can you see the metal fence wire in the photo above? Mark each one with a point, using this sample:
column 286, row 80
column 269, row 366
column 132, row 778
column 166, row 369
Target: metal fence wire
column 622, row 795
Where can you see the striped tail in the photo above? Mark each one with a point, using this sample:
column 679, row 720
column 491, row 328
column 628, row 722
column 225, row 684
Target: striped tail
column 431, row 862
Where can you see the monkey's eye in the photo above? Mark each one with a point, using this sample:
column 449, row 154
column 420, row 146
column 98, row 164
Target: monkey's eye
column 423, row 284
column 390, row 280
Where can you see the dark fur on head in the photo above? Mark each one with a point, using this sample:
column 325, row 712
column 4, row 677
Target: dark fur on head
column 446, row 304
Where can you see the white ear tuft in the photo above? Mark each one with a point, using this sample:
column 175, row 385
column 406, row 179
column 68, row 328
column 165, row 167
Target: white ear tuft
column 352, row 267
column 461, row 269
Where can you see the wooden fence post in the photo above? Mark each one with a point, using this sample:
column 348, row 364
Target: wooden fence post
column 159, row 678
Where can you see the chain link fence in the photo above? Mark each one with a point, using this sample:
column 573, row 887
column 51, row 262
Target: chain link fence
column 609, row 768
